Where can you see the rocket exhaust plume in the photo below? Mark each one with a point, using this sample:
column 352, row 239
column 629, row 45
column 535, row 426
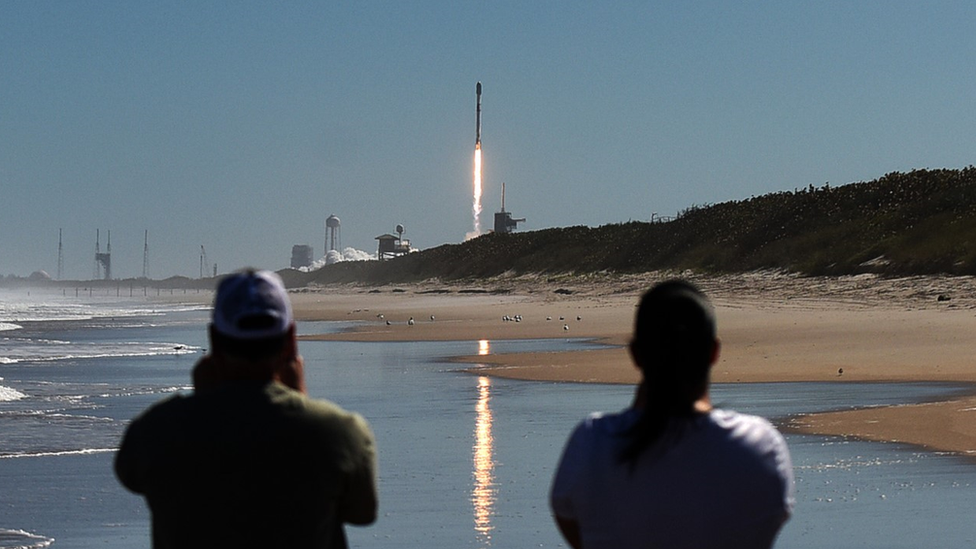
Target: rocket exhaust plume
column 476, row 206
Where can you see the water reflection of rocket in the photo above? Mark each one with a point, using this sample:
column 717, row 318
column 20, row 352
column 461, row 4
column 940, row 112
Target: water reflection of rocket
column 477, row 138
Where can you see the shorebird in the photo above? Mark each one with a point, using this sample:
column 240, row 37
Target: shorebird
column 565, row 326
column 410, row 322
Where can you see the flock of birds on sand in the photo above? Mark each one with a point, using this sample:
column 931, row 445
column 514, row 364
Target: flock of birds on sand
column 506, row 318
column 410, row 322
column 518, row 318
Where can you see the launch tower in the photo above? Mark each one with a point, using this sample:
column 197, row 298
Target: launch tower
column 103, row 261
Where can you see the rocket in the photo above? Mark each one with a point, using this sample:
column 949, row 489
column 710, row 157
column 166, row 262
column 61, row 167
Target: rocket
column 477, row 138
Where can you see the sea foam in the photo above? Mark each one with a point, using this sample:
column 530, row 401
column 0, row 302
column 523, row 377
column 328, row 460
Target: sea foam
column 7, row 394
column 19, row 539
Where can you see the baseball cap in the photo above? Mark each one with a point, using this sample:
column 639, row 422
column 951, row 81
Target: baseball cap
column 252, row 304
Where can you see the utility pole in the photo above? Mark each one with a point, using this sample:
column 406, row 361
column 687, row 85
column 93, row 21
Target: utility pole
column 97, row 272
column 60, row 256
column 145, row 257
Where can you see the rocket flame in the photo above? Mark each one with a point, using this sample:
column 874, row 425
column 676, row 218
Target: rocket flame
column 476, row 207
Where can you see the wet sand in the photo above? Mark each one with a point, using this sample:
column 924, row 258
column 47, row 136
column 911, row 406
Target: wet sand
column 774, row 328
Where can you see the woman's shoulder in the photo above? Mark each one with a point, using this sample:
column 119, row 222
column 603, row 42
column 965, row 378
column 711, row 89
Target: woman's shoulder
column 603, row 423
column 753, row 431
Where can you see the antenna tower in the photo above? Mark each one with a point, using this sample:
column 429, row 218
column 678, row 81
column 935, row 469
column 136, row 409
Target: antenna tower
column 97, row 272
column 103, row 259
column 204, row 264
column 60, row 256
column 145, row 257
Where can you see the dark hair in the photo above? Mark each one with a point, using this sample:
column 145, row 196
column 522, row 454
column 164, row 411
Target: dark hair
column 248, row 349
column 674, row 342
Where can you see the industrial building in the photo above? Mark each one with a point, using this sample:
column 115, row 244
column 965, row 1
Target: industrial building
column 301, row 256
column 392, row 245
column 504, row 222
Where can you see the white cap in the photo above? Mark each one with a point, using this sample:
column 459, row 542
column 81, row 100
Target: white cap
column 252, row 305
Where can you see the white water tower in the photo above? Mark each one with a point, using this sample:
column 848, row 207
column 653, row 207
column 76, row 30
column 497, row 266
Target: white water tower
column 333, row 234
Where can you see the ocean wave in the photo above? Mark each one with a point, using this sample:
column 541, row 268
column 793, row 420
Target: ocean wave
column 40, row 350
column 58, row 416
column 186, row 308
column 8, row 326
column 19, row 539
column 19, row 307
column 82, row 452
column 7, row 394
column 153, row 391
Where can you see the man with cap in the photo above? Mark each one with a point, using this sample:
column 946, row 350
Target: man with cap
column 671, row 470
column 247, row 459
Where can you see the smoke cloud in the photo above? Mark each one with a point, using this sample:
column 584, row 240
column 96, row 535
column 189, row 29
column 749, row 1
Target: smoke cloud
column 333, row 256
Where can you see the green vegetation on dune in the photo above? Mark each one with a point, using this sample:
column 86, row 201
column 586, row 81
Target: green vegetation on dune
column 922, row 222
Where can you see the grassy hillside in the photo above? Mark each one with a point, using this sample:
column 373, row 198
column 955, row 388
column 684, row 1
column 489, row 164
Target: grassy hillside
column 922, row 222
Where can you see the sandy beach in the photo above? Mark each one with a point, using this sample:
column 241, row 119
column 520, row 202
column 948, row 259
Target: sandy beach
column 774, row 328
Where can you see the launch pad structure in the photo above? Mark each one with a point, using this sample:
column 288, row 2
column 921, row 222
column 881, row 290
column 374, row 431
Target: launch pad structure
column 504, row 222
column 103, row 260
column 301, row 256
column 391, row 246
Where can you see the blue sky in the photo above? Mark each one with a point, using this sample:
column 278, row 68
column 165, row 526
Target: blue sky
column 241, row 126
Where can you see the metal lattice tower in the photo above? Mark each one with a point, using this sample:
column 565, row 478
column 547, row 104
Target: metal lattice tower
column 96, row 272
column 145, row 257
column 205, row 264
column 60, row 256
column 103, row 259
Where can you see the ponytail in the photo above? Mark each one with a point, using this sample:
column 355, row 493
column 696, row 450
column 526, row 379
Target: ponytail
column 674, row 344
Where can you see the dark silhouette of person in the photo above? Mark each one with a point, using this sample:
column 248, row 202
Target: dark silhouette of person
column 671, row 470
column 248, row 459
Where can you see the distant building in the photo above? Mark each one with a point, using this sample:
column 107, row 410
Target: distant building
column 504, row 223
column 392, row 245
column 301, row 256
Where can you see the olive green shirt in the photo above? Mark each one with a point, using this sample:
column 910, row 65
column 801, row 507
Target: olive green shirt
column 250, row 465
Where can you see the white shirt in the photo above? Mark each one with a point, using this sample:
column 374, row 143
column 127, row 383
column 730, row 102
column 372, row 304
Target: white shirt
column 722, row 479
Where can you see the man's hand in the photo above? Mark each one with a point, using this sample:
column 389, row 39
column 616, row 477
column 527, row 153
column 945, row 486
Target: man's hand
column 292, row 374
column 205, row 375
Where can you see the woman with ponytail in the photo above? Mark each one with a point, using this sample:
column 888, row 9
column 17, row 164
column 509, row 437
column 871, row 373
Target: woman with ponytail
column 671, row 471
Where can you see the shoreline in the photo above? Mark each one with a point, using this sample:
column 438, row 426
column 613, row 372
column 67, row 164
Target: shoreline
column 774, row 327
